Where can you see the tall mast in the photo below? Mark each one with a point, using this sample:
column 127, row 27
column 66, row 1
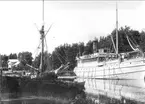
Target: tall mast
column 43, row 12
column 42, row 40
column 116, row 28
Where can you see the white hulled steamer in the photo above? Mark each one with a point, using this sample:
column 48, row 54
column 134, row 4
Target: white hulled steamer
column 105, row 65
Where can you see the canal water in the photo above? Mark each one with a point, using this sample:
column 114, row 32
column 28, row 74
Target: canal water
column 96, row 91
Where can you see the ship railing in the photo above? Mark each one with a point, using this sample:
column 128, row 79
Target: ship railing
column 133, row 56
column 93, row 55
column 98, row 55
column 139, row 59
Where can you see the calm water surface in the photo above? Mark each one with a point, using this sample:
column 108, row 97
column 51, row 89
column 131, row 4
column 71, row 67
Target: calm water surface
column 96, row 92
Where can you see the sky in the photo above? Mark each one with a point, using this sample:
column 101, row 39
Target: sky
column 73, row 21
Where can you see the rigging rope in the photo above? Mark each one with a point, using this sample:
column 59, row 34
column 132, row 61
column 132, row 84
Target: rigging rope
column 64, row 52
column 134, row 40
column 41, row 41
column 113, row 43
column 36, row 51
column 59, row 58
column 45, row 34
column 130, row 43
column 60, row 55
column 46, row 44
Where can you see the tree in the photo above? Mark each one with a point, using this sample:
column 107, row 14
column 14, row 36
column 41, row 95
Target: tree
column 13, row 56
column 25, row 57
column 81, row 48
column 88, row 48
column 4, row 60
column 142, row 40
column 66, row 53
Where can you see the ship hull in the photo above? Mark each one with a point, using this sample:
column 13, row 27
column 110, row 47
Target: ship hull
column 129, row 69
column 118, row 89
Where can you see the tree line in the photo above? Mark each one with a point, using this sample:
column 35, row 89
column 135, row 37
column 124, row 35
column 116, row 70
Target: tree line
column 68, row 52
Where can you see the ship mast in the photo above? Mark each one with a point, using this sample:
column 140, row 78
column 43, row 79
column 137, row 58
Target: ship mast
column 116, row 28
column 42, row 40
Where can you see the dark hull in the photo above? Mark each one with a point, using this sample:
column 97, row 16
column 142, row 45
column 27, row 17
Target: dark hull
column 26, row 84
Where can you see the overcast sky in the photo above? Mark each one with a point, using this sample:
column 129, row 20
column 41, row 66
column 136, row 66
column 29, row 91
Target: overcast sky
column 73, row 21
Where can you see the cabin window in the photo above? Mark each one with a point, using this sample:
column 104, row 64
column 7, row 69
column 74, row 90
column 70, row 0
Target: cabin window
column 101, row 59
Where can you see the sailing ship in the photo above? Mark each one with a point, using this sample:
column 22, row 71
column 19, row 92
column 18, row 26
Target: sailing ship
column 18, row 81
column 36, row 72
column 41, row 71
column 104, row 65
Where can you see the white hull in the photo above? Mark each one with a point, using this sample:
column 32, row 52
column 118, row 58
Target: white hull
column 130, row 89
column 128, row 69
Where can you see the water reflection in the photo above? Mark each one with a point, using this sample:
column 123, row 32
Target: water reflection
column 119, row 89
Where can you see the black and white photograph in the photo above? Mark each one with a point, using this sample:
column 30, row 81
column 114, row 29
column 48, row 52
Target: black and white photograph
column 72, row 52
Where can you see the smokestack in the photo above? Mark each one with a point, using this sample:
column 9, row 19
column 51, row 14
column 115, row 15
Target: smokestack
column 95, row 48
